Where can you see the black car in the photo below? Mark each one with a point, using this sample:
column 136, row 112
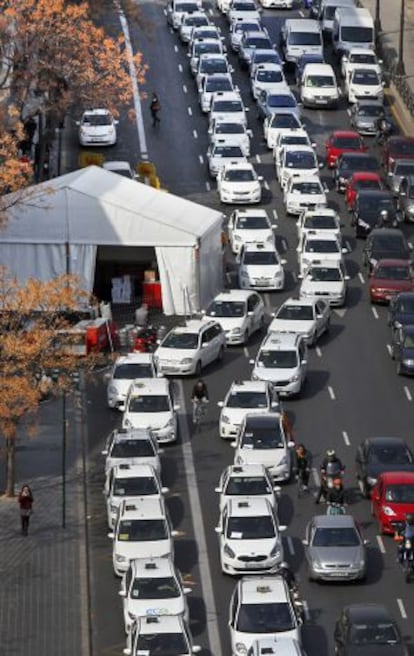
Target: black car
column 401, row 309
column 350, row 163
column 381, row 454
column 369, row 203
column 402, row 349
column 307, row 58
column 367, row 630
column 384, row 244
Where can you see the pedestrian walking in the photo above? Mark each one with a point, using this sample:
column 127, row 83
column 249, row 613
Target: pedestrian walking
column 25, row 501
column 154, row 109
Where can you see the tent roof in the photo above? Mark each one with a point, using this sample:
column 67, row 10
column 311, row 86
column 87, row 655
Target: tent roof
column 95, row 206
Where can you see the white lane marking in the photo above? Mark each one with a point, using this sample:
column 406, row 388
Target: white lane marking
column 171, row 30
column 348, row 246
column 176, row 48
column 318, row 352
column 346, row 438
column 410, row 245
column 290, row 545
column 208, row 186
column 135, row 89
column 266, row 299
column 274, row 214
column 195, row 134
column 284, row 245
column 266, row 186
column 389, row 349
column 211, row 12
column 374, row 312
column 301, row 13
column 190, row 111
column 206, row 581
column 246, row 352
column 258, row 159
column 201, row 159
column 361, row 277
column 340, row 312
column 381, row 545
column 407, row 393
column 185, row 88
column 331, row 393
column 180, row 68
column 402, row 609
column 316, row 477
column 306, row 609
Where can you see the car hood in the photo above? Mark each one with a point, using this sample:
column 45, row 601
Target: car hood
column 240, row 186
column 236, row 415
column 275, row 375
column 254, row 235
column 97, row 130
column 149, row 419
column 228, row 323
column 337, row 555
column 122, row 386
column 321, row 287
column 170, row 606
column 375, row 650
column 266, row 457
column 261, row 271
column 283, row 326
column 309, row 199
column 174, row 355
column 252, row 547
column 388, row 255
column 136, row 549
column 366, row 120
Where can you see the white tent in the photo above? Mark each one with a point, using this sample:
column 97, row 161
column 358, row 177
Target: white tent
column 77, row 212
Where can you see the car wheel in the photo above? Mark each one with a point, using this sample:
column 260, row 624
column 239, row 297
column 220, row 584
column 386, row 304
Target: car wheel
column 220, row 354
column 198, row 369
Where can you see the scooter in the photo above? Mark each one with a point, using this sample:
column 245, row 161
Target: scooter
column 405, row 553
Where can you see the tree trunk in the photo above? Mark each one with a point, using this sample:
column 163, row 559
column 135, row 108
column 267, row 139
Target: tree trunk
column 10, row 466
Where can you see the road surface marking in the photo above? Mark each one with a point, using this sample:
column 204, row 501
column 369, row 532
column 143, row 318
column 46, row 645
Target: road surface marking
column 294, row 276
column 208, row 186
column 361, row 277
column 290, row 545
column 266, row 186
column 258, row 159
column 381, row 545
column 284, row 245
column 410, row 245
column 201, row 159
column 389, row 349
column 176, row 48
column 185, row 88
column 246, row 352
column 407, row 393
column 199, row 533
column 180, row 68
column 346, row 438
column 374, row 312
column 318, row 352
column 316, row 477
column 301, row 13
column 402, row 609
column 274, row 215
column 331, row 393
column 266, row 299
column 348, row 246
column 190, row 111
column 195, row 134
column 306, row 609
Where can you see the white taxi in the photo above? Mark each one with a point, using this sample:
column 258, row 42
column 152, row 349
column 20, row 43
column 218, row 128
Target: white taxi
column 309, row 317
column 261, row 267
column 97, row 127
column 325, row 280
column 211, row 84
column 299, row 137
column 277, row 122
column 250, row 226
column 131, row 447
column 317, row 246
column 221, row 153
column 246, row 481
column 249, row 537
column 126, row 369
column 228, row 106
column 360, row 58
column 189, row 21
column 160, row 634
column 268, row 77
column 241, row 25
column 239, row 183
column 239, row 312
column 363, row 84
column 245, row 396
column 282, row 360
column 321, row 219
column 150, row 404
column 231, row 132
column 296, row 161
column 304, row 192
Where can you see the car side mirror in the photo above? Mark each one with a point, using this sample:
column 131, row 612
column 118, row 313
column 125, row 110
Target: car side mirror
column 217, row 529
column 104, row 452
column 283, row 261
column 220, row 404
column 111, row 535
column 219, row 490
column 77, row 123
column 233, row 444
column 165, row 490
column 291, row 445
column 366, row 542
column 305, row 543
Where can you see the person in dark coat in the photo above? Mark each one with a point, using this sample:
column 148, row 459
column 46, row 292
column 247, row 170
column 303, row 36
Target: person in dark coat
column 155, row 107
column 25, row 501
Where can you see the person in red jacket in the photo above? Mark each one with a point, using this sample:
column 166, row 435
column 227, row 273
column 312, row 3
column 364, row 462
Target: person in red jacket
column 25, row 502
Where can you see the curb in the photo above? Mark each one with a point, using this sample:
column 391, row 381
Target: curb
column 399, row 111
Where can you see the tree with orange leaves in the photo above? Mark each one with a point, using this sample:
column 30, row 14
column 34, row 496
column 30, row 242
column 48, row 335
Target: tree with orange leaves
column 33, row 318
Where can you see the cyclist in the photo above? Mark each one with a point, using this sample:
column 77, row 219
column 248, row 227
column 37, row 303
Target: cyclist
column 199, row 395
column 303, row 465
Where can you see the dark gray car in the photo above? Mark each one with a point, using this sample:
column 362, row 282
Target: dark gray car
column 406, row 199
column 381, row 454
column 367, row 630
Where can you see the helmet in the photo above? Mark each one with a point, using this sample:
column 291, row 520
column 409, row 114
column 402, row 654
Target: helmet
column 409, row 518
column 200, row 382
column 283, row 565
column 330, row 454
column 337, row 481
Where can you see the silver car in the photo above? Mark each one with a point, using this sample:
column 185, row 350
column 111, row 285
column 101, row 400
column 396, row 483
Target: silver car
column 364, row 115
column 399, row 169
column 406, row 199
column 334, row 549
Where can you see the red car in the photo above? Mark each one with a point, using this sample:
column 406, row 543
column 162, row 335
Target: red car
column 392, row 497
column 343, row 141
column 360, row 181
column 398, row 148
column 388, row 278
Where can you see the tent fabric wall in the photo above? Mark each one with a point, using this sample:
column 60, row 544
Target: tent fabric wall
column 178, row 277
column 210, row 263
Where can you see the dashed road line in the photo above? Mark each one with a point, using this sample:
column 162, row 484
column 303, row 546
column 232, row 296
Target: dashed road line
column 258, row 159
column 246, row 352
column 301, row 13
column 318, row 352
column 195, row 134
column 185, row 88
column 381, row 545
column 361, row 278
column 389, row 349
column 284, row 245
column 294, row 276
column 306, row 610
column 331, row 393
column 201, row 159
column 407, row 393
column 228, row 277
column 180, row 68
column 375, row 312
column 208, row 186
column 274, row 215
column 266, row 299
column 402, row 609
column 190, row 111
column 290, row 545
column 266, row 186
column 346, row 438
column 176, row 48
column 316, row 477
column 348, row 246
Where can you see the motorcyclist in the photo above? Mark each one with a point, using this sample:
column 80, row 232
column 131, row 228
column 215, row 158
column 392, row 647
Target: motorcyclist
column 331, row 467
column 285, row 571
column 406, row 535
column 384, row 129
column 303, row 465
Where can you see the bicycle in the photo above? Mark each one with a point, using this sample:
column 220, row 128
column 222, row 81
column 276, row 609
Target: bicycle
column 199, row 411
column 302, row 480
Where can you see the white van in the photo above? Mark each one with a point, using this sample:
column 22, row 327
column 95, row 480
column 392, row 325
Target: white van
column 318, row 86
column 352, row 28
column 327, row 13
column 300, row 36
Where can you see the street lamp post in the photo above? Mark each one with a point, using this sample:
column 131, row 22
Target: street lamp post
column 400, row 69
column 64, row 436
column 377, row 21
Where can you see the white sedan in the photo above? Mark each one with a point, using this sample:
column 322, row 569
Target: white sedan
column 296, row 161
column 261, row 267
column 327, row 280
column 321, row 219
column 246, row 481
column 302, row 193
column 360, row 58
column 307, row 317
column 231, row 132
column 97, row 127
column 239, row 312
column 317, row 246
column 268, row 77
column 210, row 84
column 239, row 183
column 279, row 122
column 227, row 106
column 221, row 153
column 250, row 226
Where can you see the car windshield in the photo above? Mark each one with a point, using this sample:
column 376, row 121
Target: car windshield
column 347, row 142
column 404, row 168
column 268, row 57
column 149, row 403
column 186, row 7
column 262, row 258
column 400, row 493
column 311, row 188
column 362, row 58
column 373, row 111
column 259, row 527
column 252, row 223
column 287, row 120
column 257, row 42
column 265, row 618
column 162, row 644
column 324, row 274
column 293, row 140
column 227, row 106
column 244, row 6
column 239, row 175
column 164, row 587
column 211, row 66
column 269, row 76
column 355, row 34
column 355, row 163
column 181, row 341
column 405, row 305
column 206, row 32
column 373, row 634
column 402, row 148
column 369, row 78
column 320, row 81
column 218, row 84
column 336, row 537
column 296, row 313
column 206, row 47
column 132, row 449
column 300, row 159
column 247, row 400
column 97, row 119
column 244, row 26
column 228, row 151
column 134, row 486
column 281, row 100
column 247, row 486
column 320, row 222
column 373, row 206
column 226, row 309
column 132, row 371
column 305, row 39
column 278, row 359
column 262, row 437
column 142, row 530
column 322, row 246
column 229, row 128
column 397, row 454
column 392, row 272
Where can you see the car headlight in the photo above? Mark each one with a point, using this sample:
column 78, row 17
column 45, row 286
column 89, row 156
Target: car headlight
column 113, row 509
column 169, row 424
column 255, row 376
column 295, row 378
column 240, row 648
column 408, row 362
column 388, row 511
column 270, row 239
column 225, row 419
column 371, row 481
column 120, row 559
column 283, row 461
column 186, row 361
column 275, row 553
column 132, row 616
column 236, row 331
column 228, row 551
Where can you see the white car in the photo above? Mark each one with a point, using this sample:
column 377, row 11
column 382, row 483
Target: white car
column 320, row 219
column 239, row 183
column 296, row 161
column 263, row 56
column 239, row 312
column 326, row 280
column 318, row 86
column 125, row 482
column 277, row 123
column 301, row 193
column 250, row 226
column 223, row 152
column 261, row 267
column 249, row 537
column 360, row 58
column 277, row 4
column 130, row 447
column 243, row 10
column 317, row 246
column 149, row 404
column 308, row 317
column 241, row 25
column 276, row 646
column 142, row 529
column 245, row 396
column 97, row 127
column 176, row 9
column 207, row 56
column 125, row 370
column 160, row 634
column 152, row 586
column 246, row 481
column 210, row 84
column 227, row 106
column 268, row 77
column 189, row 21
column 231, row 132
column 204, row 32
column 363, row 84
column 186, row 350
column 282, row 360
column 121, row 167
column 262, row 441
column 262, row 608
column 291, row 138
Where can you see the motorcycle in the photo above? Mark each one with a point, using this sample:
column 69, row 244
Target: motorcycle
column 145, row 340
column 405, row 553
column 332, row 471
column 335, row 509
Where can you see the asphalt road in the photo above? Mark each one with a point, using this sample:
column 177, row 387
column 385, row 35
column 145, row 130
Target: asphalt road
column 352, row 391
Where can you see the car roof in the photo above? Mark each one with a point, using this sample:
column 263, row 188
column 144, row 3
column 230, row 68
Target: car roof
column 149, row 386
column 252, row 212
column 388, row 478
column 132, row 434
column 226, row 95
column 277, row 341
column 378, row 232
column 345, row 133
column 134, row 358
column 191, row 326
column 275, row 645
column 303, row 24
column 259, row 247
column 327, row 211
column 160, row 624
column 253, row 469
column 248, row 386
column 154, row 567
column 234, row 295
column 315, row 68
column 386, row 441
column 143, row 508
column 376, row 193
column 367, row 612
column 126, row 470
column 388, row 261
column 366, row 175
column 248, row 507
column 255, row 33
column 239, row 165
column 293, row 148
column 263, row 589
column 333, row 521
column 298, row 301
column 100, row 111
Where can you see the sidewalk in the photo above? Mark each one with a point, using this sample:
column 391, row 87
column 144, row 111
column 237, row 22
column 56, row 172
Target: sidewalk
column 43, row 591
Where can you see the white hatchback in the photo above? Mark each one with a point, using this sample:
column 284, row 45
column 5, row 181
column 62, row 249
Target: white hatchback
column 160, row 634
column 364, row 84
column 131, row 447
column 325, row 280
column 304, row 192
column 246, row 481
column 317, row 246
column 239, row 312
column 261, row 267
column 249, row 226
column 308, row 317
column 230, row 132
column 282, row 360
column 321, row 219
column 126, row 369
column 97, row 127
column 211, row 84
column 221, row 153
column 267, row 77
column 150, row 404
column 239, row 183
column 245, row 396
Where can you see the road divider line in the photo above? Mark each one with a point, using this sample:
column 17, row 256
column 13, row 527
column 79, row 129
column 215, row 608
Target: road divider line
column 274, row 215
column 389, row 349
column 407, row 393
column 284, row 245
column 318, row 352
column 290, row 545
column 208, row 186
column 246, row 352
column 185, row 88
column 306, row 610
column 180, row 68
column 266, row 299
column 331, row 393
column 348, row 246
column 401, row 608
column 206, row 580
column 374, row 312
column 315, row 476
column 301, row 13
column 381, row 545
column 361, row 278
column 190, row 111
column 266, row 186
column 258, row 159
column 176, row 48
column 195, row 134
column 201, row 159
column 346, row 438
